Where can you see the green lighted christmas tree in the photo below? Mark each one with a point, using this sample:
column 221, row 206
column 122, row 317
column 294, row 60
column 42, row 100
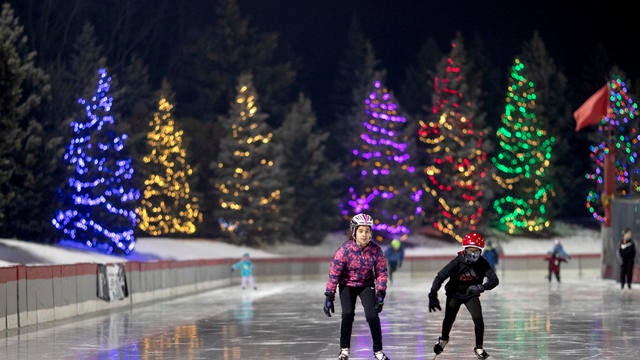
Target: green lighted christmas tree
column 454, row 142
column 522, row 160
column 167, row 206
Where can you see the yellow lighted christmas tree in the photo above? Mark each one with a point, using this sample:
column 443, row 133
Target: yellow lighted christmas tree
column 167, row 206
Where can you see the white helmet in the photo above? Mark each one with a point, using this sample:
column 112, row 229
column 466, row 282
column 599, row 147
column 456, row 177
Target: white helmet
column 360, row 220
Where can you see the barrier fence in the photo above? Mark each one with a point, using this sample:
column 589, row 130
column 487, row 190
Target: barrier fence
column 34, row 295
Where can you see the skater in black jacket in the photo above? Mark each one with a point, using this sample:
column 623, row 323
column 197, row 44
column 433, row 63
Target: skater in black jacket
column 466, row 274
column 627, row 252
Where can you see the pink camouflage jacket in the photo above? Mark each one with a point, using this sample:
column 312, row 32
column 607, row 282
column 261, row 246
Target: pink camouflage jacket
column 356, row 267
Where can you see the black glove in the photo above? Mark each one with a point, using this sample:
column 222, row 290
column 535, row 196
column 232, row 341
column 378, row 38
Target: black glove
column 434, row 303
column 380, row 300
column 328, row 303
column 232, row 269
column 475, row 290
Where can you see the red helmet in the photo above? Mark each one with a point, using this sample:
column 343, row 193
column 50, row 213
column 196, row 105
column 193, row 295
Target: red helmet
column 473, row 239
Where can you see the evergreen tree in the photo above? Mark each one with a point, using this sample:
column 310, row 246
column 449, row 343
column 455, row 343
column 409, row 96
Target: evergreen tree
column 454, row 139
column 416, row 91
column 314, row 198
column 205, row 77
column 355, row 71
column 99, row 200
column 617, row 134
column 167, row 206
column 523, row 159
column 553, row 113
column 26, row 147
column 216, row 55
column 248, row 175
column 385, row 186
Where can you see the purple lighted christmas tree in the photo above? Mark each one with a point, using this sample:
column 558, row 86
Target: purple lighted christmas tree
column 99, row 197
column 383, row 179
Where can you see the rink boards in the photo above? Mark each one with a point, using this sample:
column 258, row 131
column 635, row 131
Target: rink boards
column 38, row 294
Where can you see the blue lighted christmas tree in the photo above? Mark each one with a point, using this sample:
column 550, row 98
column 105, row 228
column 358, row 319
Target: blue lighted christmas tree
column 99, row 197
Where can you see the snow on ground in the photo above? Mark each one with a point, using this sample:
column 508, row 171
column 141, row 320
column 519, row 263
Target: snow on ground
column 575, row 240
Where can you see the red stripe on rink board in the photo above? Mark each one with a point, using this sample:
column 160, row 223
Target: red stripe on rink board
column 7, row 274
column 18, row 272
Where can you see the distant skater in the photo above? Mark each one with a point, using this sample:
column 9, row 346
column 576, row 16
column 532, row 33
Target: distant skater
column 395, row 256
column 555, row 257
column 492, row 254
column 466, row 273
column 358, row 270
column 627, row 252
column 246, row 271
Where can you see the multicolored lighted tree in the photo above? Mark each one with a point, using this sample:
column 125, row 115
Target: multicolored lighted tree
column 522, row 160
column 385, row 187
column 99, row 198
column 167, row 206
column 454, row 143
column 619, row 136
column 248, row 180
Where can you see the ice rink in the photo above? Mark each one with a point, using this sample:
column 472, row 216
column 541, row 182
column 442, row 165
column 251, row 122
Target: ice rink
column 526, row 318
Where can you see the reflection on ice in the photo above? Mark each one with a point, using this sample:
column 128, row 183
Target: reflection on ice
column 583, row 318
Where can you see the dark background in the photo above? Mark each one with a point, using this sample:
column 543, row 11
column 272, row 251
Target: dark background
column 571, row 31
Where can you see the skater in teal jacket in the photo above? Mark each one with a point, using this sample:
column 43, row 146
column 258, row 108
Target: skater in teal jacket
column 246, row 271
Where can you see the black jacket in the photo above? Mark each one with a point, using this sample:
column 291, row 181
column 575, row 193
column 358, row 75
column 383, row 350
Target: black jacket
column 462, row 275
column 627, row 252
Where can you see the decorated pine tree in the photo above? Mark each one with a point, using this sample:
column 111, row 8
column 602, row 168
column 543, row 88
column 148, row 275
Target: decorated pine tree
column 619, row 137
column 167, row 205
column 453, row 139
column 385, row 185
column 522, row 159
column 248, row 178
column 99, row 199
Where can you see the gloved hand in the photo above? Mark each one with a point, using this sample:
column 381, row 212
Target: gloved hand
column 328, row 303
column 380, row 295
column 475, row 290
column 434, row 303
column 233, row 269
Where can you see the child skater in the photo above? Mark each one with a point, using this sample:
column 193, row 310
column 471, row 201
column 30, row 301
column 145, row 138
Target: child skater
column 466, row 273
column 358, row 270
column 395, row 256
column 555, row 257
column 246, row 271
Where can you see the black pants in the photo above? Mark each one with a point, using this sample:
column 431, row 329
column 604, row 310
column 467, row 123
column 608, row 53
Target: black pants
column 626, row 274
column 475, row 309
column 554, row 273
column 348, row 297
column 393, row 266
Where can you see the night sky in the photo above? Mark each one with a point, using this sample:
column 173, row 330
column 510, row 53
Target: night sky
column 316, row 30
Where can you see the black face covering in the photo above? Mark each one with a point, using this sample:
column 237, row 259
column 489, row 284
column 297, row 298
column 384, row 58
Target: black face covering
column 471, row 257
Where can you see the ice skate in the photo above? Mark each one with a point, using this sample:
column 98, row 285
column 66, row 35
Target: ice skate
column 344, row 354
column 379, row 355
column 439, row 346
column 480, row 353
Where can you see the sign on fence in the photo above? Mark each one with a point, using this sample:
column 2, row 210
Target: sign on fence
column 112, row 282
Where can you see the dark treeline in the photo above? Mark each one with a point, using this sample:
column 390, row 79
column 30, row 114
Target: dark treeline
column 201, row 47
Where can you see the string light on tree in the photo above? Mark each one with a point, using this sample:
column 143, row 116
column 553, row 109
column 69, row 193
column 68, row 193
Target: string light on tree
column 454, row 142
column 522, row 160
column 248, row 180
column 167, row 206
column 99, row 197
column 619, row 137
column 385, row 176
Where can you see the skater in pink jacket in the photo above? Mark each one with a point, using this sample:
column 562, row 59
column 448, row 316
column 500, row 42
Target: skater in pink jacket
column 358, row 270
